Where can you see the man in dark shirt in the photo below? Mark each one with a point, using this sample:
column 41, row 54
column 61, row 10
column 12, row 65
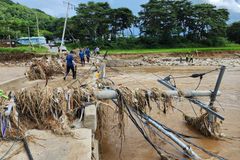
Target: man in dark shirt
column 70, row 65
column 87, row 53
column 81, row 55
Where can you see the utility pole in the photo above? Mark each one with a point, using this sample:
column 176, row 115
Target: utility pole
column 65, row 23
column 29, row 38
column 37, row 25
column 9, row 37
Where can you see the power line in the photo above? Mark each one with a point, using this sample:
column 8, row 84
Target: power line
column 69, row 6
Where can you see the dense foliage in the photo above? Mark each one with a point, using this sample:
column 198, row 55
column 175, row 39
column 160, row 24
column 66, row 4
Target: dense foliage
column 98, row 22
column 233, row 32
column 15, row 20
column 162, row 23
column 169, row 21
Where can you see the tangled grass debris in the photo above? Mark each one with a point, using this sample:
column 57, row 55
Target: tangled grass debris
column 140, row 99
column 102, row 83
column 48, row 108
column 45, row 68
column 203, row 125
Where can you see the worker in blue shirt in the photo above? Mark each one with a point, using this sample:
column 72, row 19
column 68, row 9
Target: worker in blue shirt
column 70, row 65
column 81, row 55
column 87, row 53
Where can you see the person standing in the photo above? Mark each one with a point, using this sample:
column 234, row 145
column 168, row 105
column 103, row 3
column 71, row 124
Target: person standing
column 70, row 65
column 81, row 55
column 181, row 59
column 187, row 58
column 191, row 58
column 97, row 51
column 87, row 53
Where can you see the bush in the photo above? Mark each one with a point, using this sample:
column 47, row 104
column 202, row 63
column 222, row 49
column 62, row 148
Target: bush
column 233, row 32
column 215, row 42
column 24, row 49
column 125, row 43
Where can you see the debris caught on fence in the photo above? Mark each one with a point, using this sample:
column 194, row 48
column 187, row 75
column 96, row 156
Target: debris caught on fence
column 140, row 98
column 203, row 125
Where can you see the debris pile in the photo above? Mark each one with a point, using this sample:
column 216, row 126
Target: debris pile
column 44, row 69
column 56, row 108
column 47, row 109
column 140, row 98
column 5, row 117
column 102, row 83
column 203, row 125
column 175, row 61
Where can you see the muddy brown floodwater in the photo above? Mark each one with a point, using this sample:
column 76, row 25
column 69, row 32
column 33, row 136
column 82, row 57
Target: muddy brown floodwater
column 135, row 146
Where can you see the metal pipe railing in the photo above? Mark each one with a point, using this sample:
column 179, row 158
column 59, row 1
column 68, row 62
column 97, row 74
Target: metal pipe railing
column 187, row 149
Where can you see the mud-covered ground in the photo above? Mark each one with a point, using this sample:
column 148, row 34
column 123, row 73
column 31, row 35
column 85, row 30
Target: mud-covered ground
column 135, row 146
column 212, row 59
column 10, row 73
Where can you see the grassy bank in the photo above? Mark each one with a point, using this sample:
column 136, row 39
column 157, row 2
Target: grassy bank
column 44, row 50
column 24, row 49
column 173, row 50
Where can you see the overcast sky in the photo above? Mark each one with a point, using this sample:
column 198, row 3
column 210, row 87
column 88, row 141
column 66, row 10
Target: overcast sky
column 57, row 8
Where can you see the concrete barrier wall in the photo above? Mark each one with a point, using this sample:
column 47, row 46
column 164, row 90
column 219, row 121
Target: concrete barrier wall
column 90, row 117
column 90, row 122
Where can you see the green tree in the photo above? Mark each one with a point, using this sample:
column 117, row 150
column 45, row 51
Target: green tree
column 165, row 21
column 183, row 10
column 120, row 19
column 57, row 27
column 158, row 20
column 94, row 18
column 233, row 32
column 207, row 22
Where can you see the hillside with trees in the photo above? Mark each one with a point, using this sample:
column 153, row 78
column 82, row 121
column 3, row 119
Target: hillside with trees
column 15, row 20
